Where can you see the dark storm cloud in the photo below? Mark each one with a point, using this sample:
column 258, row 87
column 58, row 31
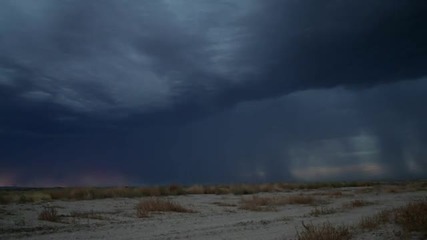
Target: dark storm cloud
column 119, row 59
column 310, row 44
column 121, row 87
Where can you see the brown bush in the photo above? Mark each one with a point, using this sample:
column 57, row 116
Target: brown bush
column 49, row 214
column 325, row 231
column 373, row 222
column 413, row 216
column 322, row 211
column 195, row 189
column 258, row 203
column 146, row 206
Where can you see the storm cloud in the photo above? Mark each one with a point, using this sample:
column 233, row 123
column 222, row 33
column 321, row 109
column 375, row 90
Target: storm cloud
column 131, row 92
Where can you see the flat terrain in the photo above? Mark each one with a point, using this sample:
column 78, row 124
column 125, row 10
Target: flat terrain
column 274, row 215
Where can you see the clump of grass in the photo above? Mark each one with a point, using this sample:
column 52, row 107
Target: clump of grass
column 49, row 214
column 195, row 189
column 325, row 231
column 145, row 207
column 315, row 212
column 412, row 217
column 257, row 203
column 243, row 189
column 357, row 203
column 373, row 222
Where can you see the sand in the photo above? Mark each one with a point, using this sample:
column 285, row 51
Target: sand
column 215, row 217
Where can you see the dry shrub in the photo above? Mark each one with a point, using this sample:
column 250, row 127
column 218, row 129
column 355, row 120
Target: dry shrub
column 413, row 216
column 257, row 203
column 195, row 189
column 357, row 203
column 210, row 189
column 146, row 206
column 151, row 192
column 221, row 190
column 373, row 222
column 322, row 211
column 325, row 231
column 175, row 189
column 243, row 189
column 269, row 187
column 49, row 214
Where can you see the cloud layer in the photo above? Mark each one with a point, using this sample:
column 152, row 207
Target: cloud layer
column 241, row 87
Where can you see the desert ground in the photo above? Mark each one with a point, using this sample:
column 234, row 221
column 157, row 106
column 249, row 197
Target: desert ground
column 365, row 212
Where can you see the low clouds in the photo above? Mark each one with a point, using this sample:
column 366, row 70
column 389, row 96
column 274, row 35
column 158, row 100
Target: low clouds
column 233, row 86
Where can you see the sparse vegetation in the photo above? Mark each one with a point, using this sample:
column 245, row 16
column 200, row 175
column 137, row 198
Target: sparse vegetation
column 146, row 206
column 195, row 189
column 325, row 231
column 332, row 194
column 373, row 222
column 357, row 203
column 49, row 214
column 258, row 203
column 87, row 193
column 317, row 211
column 413, row 216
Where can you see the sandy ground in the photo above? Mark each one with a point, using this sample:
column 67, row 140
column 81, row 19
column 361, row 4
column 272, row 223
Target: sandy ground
column 216, row 217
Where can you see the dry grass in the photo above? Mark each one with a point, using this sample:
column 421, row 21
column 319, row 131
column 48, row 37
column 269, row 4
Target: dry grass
column 413, row 216
column 88, row 193
column 373, row 222
column 258, row 203
column 195, row 189
column 145, row 207
column 49, row 214
column 357, row 203
column 332, row 194
column 325, row 231
column 317, row 211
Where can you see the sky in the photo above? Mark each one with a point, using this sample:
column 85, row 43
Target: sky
column 101, row 93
